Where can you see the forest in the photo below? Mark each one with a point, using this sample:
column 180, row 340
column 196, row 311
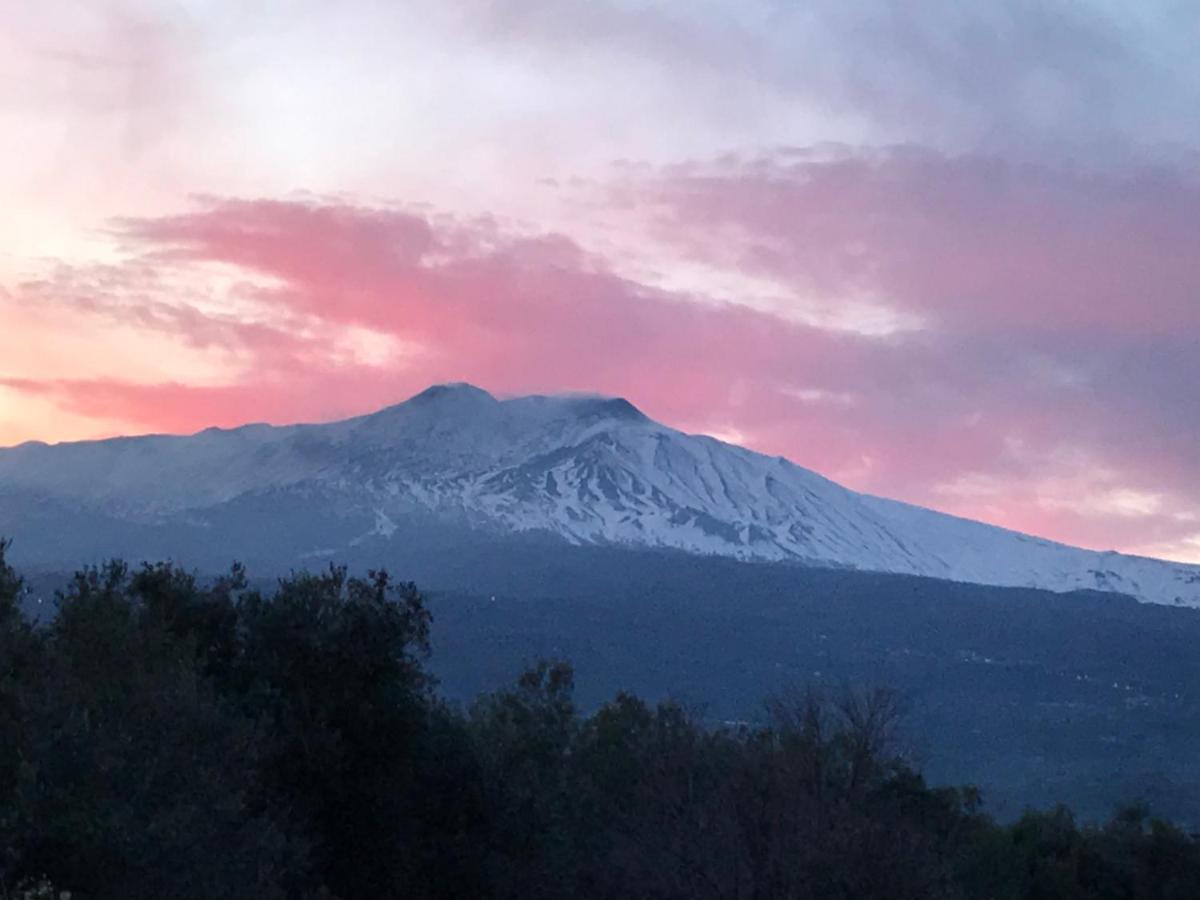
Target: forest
column 164, row 735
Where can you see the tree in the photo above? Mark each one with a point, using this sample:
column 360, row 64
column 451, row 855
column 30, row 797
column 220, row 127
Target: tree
column 333, row 665
column 140, row 768
column 19, row 667
column 523, row 737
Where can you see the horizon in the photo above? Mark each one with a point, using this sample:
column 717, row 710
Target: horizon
column 818, row 233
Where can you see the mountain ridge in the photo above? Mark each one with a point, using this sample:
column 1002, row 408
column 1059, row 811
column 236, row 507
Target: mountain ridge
column 580, row 468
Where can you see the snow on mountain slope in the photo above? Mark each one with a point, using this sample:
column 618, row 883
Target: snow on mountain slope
column 583, row 469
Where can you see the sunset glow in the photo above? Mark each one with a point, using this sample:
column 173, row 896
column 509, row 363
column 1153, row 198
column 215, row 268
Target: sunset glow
column 963, row 274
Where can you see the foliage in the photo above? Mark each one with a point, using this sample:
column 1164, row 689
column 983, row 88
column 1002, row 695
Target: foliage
column 167, row 737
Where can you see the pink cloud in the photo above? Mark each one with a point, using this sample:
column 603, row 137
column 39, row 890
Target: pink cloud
column 1062, row 302
column 978, row 243
column 183, row 408
column 513, row 312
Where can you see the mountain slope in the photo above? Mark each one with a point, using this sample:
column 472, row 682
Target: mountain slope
column 580, row 469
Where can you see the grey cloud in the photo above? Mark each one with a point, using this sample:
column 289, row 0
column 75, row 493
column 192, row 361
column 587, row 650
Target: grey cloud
column 1100, row 81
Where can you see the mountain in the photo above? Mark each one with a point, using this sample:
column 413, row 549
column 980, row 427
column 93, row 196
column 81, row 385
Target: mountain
column 456, row 461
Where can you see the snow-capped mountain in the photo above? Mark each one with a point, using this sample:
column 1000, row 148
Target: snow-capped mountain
column 578, row 469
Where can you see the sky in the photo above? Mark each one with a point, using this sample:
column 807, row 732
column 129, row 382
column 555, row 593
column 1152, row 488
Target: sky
column 945, row 252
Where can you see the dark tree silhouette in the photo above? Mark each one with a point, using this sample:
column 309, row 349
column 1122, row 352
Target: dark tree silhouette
column 168, row 736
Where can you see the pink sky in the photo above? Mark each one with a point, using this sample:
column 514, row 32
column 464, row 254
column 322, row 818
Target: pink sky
column 822, row 235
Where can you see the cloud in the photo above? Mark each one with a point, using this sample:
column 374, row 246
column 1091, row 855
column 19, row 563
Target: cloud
column 1035, row 80
column 1047, row 295
column 975, row 242
column 513, row 311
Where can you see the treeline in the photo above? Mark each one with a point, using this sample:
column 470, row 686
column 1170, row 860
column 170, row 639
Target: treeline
column 160, row 737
